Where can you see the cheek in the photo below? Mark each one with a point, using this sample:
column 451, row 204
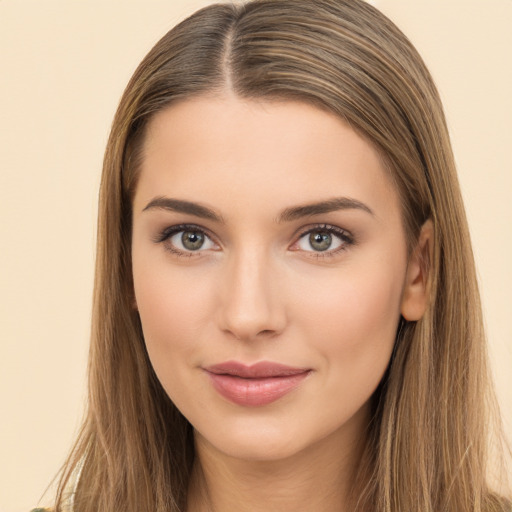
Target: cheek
column 354, row 300
column 173, row 308
column 353, row 323
column 360, row 313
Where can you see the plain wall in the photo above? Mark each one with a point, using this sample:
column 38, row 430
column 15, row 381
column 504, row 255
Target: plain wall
column 63, row 67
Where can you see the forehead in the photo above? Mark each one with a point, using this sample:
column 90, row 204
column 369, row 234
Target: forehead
column 236, row 153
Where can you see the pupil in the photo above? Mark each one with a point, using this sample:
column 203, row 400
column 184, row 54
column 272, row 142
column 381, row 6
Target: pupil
column 192, row 240
column 320, row 241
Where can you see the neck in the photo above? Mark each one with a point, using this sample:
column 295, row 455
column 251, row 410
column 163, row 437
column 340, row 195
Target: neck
column 318, row 478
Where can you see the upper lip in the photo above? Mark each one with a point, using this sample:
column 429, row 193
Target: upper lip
column 260, row 370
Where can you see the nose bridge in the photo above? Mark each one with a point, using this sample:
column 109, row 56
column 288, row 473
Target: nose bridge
column 250, row 305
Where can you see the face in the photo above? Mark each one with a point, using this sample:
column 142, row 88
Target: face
column 270, row 270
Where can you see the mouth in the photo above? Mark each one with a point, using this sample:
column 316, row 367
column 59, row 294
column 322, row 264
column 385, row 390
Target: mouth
column 256, row 385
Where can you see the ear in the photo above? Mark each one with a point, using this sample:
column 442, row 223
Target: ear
column 416, row 292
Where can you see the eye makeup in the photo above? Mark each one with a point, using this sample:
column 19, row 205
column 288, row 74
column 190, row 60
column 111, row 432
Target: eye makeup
column 318, row 240
column 324, row 240
column 192, row 241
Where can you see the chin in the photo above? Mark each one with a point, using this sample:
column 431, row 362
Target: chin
column 255, row 445
column 271, row 438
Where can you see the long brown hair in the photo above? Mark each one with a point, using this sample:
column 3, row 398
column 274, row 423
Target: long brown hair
column 427, row 444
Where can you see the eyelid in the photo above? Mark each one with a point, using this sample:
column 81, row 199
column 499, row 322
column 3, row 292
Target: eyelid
column 345, row 236
column 167, row 233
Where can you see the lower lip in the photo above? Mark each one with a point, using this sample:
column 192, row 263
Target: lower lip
column 255, row 392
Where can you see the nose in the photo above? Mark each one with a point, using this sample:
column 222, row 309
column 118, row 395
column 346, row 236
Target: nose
column 251, row 304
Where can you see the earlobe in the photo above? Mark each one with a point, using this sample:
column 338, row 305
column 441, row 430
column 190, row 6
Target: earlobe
column 416, row 292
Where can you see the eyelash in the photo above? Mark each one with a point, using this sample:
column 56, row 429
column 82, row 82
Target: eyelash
column 165, row 235
column 344, row 236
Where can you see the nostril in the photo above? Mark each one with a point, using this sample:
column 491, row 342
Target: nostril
column 240, row 335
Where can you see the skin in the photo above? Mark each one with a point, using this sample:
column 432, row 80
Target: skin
column 258, row 290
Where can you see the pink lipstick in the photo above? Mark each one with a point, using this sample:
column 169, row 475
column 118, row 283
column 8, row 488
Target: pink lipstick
column 259, row 384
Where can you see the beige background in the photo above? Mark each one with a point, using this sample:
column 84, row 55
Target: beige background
column 63, row 66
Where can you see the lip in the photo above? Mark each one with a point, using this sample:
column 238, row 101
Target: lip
column 255, row 385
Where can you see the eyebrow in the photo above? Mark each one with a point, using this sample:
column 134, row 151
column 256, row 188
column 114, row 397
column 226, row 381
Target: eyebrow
column 180, row 206
column 287, row 215
column 330, row 205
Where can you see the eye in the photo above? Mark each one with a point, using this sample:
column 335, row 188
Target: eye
column 324, row 239
column 191, row 241
column 185, row 240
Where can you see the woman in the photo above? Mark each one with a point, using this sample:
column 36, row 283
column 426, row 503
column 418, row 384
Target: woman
column 286, row 313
